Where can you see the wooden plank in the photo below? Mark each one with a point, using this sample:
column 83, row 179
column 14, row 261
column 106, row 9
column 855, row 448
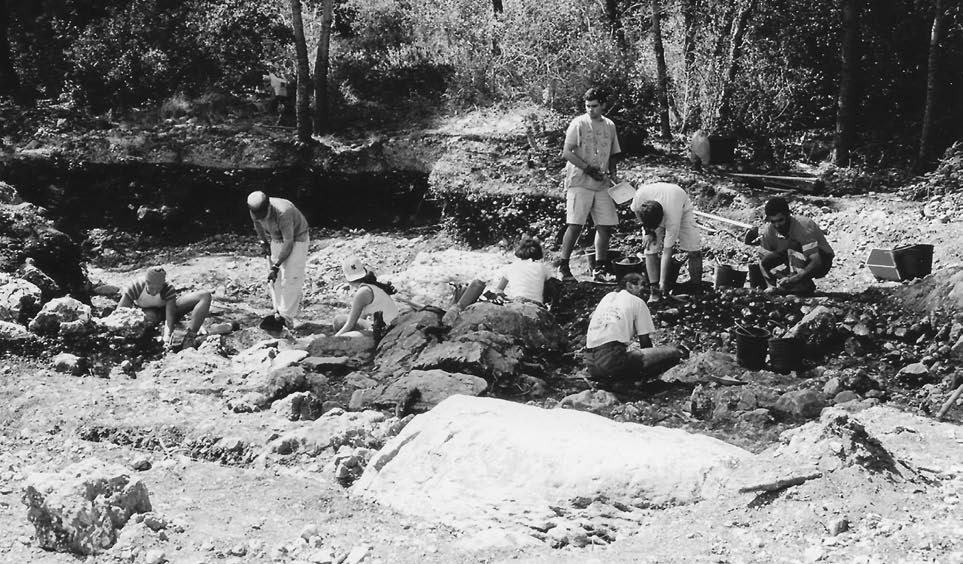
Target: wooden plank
column 773, row 177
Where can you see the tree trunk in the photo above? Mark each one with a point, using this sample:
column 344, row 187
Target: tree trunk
column 662, row 88
column 9, row 81
column 321, row 63
column 740, row 24
column 615, row 21
column 929, row 109
column 688, row 58
column 303, row 103
column 845, row 109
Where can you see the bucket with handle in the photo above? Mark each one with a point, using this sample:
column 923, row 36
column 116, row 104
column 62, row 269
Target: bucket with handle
column 622, row 193
column 751, row 346
column 729, row 277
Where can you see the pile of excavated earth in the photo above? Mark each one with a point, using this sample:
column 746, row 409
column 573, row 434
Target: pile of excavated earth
column 483, row 441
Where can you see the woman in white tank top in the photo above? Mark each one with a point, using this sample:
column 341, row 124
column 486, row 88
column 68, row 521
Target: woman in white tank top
column 372, row 307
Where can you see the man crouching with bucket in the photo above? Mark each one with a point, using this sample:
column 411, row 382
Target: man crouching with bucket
column 622, row 316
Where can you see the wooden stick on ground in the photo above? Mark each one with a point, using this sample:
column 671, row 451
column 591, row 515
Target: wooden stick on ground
column 781, row 484
column 774, row 177
column 949, row 403
column 722, row 219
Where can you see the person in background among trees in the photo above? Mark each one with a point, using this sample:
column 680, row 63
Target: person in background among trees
column 161, row 302
column 281, row 103
column 796, row 250
column 666, row 214
column 372, row 299
column 591, row 143
column 285, row 238
column 622, row 317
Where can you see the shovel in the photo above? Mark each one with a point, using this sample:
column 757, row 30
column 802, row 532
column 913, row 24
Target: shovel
column 271, row 324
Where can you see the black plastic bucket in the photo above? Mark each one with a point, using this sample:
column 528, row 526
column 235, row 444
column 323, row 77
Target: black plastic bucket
column 913, row 261
column 613, row 256
column 785, row 355
column 751, row 346
column 756, row 279
column 728, row 277
column 627, row 265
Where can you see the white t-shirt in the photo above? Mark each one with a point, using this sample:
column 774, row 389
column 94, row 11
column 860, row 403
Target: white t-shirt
column 675, row 204
column 526, row 279
column 620, row 316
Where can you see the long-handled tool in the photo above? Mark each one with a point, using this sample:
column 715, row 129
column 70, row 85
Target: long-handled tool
column 722, row 219
column 271, row 323
column 949, row 403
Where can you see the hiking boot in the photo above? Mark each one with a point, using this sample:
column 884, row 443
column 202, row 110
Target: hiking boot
column 565, row 272
column 602, row 274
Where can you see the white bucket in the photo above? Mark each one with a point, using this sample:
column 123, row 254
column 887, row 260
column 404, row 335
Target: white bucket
column 622, row 192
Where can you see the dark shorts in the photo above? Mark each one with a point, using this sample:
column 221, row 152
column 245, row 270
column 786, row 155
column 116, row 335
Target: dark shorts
column 613, row 361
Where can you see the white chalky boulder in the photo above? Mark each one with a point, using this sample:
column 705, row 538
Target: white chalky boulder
column 82, row 508
column 64, row 315
column 127, row 322
column 16, row 296
column 472, row 461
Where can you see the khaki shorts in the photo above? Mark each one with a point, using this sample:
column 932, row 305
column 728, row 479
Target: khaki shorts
column 689, row 238
column 581, row 202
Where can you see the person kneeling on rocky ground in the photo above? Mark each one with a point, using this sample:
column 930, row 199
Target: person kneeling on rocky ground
column 525, row 280
column 372, row 299
column 611, row 356
column 795, row 250
column 161, row 302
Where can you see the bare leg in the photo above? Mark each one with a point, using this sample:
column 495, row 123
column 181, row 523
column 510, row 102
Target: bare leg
column 198, row 303
column 568, row 240
column 603, row 233
column 653, row 266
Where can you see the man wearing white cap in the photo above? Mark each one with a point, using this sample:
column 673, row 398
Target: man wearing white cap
column 285, row 238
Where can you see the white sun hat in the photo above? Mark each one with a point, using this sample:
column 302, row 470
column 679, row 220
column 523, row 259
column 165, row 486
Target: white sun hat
column 353, row 269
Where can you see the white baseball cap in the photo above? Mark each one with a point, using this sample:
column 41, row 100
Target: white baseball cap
column 353, row 269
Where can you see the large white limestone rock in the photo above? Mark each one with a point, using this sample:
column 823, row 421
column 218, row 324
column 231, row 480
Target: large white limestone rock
column 472, row 462
column 82, row 508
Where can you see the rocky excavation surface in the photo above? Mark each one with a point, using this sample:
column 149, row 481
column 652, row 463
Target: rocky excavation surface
column 246, row 446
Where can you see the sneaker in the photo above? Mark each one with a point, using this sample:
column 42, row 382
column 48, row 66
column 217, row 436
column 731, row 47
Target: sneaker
column 603, row 275
column 565, row 272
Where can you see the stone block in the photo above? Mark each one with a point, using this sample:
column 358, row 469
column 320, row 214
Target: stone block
column 83, row 508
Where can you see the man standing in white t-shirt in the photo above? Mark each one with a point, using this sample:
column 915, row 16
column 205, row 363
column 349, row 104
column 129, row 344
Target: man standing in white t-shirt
column 591, row 143
column 621, row 318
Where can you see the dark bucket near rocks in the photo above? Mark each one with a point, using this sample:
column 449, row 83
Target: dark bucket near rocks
column 756, row 279
column 751, row 346
column 613, row 256
column 785, row 355
column 627, row 265
column 728, row 277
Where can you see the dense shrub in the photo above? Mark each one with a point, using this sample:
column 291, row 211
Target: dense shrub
column 151, row 48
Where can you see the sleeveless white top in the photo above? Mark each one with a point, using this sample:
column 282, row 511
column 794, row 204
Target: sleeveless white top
column 382, row 302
